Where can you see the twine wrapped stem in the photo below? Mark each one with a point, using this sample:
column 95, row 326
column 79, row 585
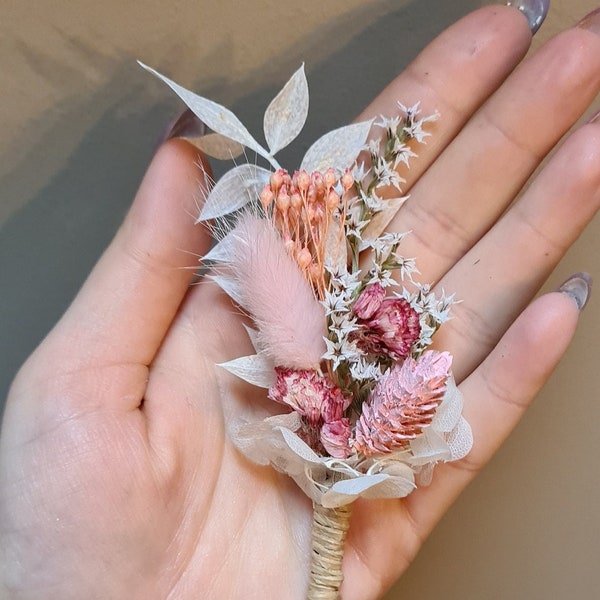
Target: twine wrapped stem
column 329, row 529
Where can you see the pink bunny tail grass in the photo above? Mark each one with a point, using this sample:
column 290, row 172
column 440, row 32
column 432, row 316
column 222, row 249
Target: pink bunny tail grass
column 290, row 320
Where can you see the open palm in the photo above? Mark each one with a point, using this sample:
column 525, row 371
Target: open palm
column 117, row 478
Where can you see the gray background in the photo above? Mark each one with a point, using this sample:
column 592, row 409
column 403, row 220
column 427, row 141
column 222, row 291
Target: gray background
column 79, row 123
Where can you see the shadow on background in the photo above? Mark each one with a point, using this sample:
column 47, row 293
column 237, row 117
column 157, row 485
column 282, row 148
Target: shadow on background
column 49, row 246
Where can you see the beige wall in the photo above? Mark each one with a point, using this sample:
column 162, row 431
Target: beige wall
column 80, row 120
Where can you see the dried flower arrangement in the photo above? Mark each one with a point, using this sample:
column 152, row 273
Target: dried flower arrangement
column 341, row 328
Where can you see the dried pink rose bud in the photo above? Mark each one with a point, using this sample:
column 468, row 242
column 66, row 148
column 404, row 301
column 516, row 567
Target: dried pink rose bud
column 335, row 437
column 310, row 394
column 403, row 403
column 369, row 301
column 334, row 405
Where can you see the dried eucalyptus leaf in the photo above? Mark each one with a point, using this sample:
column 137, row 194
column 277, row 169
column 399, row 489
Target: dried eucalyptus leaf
column 217, row 117
column 256, row 369
column 234, row 190
column 286, row 115
column 218, row 146
column 337, row 149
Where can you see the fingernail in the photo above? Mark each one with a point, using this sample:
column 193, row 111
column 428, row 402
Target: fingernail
column 591, row 22
column 186, row 125
column 578, row 287
column 595, row 118
column 535, row 11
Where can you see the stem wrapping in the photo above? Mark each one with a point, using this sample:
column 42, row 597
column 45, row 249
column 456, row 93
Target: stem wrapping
column 329, row 529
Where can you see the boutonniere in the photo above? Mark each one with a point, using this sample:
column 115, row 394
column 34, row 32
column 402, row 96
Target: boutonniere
column 340, row 326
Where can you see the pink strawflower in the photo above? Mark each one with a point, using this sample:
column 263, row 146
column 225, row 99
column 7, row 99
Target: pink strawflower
column 310, row 394
column 392, row 326
column 369, row 301
column 403, row 403
column 335, row 437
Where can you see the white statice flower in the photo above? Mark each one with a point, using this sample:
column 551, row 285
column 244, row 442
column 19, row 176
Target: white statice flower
column 403, row 153
column 341, row 349
column 339, row 345
column 386, row 175
column 414, row 126
column 345, row 282
column 359, row 171
column 343, row 323
column 334, row 302
column 391, row 124
column 386, row 245
column 372, row 201
column 365, row 370
column 333, row 353
column 381, row 275
column 406, row 266
column 433, row 310
column 355, row 224
column 350, row 351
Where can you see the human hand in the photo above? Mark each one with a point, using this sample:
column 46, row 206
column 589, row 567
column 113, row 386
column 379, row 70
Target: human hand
column 117, row 479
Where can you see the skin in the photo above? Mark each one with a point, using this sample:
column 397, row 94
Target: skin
column 117, row 478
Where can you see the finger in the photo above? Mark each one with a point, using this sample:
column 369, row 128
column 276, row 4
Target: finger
column 454, row 75
column 497, row 278
column 125, row 307
column 482, row 170
column 496, row 396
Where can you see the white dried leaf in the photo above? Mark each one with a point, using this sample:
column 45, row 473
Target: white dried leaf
column 256, row 369
column 379, row 222
column 286, row 115
column 336, row 248
column 253, row 335
column 429, row 447
column 449, row 411
column 234, row 190
column 217, row 117
column 337, row 149
column 230, row 286
column 222, row 251
column 357, row 486
column 300, row 447
column 216, row 145
column 460, row 439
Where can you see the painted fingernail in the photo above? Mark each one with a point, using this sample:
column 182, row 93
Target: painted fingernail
column 534, row 10
column 186, row 125
column 578, row 287
column 591, row 21
column 595, row 118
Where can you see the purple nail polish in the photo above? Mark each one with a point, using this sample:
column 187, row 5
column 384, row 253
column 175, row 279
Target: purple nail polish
column 595, row 118
column 534, row 10
column 578, row 287
column 591, row 22
column 187, row 125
